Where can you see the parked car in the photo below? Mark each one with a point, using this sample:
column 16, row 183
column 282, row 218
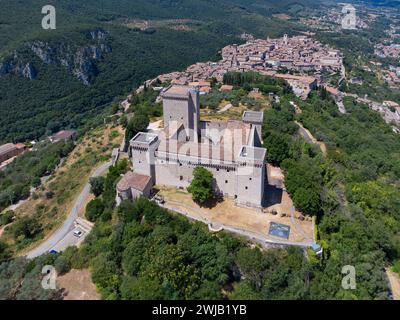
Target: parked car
column 78, row 233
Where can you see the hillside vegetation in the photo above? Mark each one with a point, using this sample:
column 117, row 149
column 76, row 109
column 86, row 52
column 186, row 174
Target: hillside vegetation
column 64, row 78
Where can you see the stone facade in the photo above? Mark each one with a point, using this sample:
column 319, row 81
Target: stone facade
column 10, row 150
column 230, row 150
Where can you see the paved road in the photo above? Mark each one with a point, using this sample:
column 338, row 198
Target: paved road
column 68, row 224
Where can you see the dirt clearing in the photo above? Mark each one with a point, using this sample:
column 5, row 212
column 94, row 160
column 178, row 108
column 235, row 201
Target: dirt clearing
column 78, row 285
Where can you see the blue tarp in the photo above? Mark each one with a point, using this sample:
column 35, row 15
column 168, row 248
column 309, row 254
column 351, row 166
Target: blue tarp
column 279, row 230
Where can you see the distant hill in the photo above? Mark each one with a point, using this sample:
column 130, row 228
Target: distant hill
column 63, row 78
column 379, row 3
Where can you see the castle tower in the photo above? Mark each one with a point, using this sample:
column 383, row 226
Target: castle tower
column 285, row 39
column 182, row 104
column 256, row 120
column 142, row 150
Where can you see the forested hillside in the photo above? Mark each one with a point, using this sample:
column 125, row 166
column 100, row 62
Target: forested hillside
column 64, row 78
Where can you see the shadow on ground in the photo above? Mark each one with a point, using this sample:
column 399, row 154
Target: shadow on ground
column 272, row 196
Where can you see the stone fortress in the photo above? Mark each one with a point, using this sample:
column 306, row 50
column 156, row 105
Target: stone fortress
column 231, row 150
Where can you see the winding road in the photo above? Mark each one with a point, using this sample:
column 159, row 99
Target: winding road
column 68, row 224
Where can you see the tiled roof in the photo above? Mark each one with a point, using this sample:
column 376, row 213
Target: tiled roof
column 7, row 148
column 64, row 134
column 133, row 180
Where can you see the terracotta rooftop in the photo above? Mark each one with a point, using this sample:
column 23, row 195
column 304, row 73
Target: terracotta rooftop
column 226, row 87
column 332, row 90
column 133, row 180
column 62, row 135
column 7, row 148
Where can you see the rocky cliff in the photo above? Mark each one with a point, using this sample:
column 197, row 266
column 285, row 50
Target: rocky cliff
column 80, row 61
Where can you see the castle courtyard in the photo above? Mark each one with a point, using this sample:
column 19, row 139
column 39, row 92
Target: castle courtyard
column 250, row 222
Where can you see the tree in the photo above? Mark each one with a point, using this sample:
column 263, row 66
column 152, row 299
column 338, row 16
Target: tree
column 132, row 257
column 251, row 265
column 26, row 227
column 201, row 187
column 127, row 212
column 97, row 185
column 307, row 200
column 142, row 288
column 94, row 209
column 4, row 252
column 62, row 265
column 138, row 123
column 123, row 120
column 244, row 291
column 7, row 217
column 105, row 274
column 303, row 181
column 278, row 148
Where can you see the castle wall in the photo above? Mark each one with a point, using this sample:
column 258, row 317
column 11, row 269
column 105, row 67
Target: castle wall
column 250, row 182
column 173, row 174
column 243, row 183
column 227, row 180
column 141, row 162
column 124, row 195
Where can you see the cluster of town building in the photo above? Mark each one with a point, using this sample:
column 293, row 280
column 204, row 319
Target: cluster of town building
column 391, row 51
column 392, row 76
column 231, row 150
column 9, row 151
column 299, row 54
column 332, row 20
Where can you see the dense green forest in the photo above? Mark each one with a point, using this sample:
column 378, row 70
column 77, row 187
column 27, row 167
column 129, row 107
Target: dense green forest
column 56, row 99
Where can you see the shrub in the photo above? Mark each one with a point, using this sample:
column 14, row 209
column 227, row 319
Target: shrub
column 6, row 217
column 201, row 187
column 62, row 265
column 94, row 209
